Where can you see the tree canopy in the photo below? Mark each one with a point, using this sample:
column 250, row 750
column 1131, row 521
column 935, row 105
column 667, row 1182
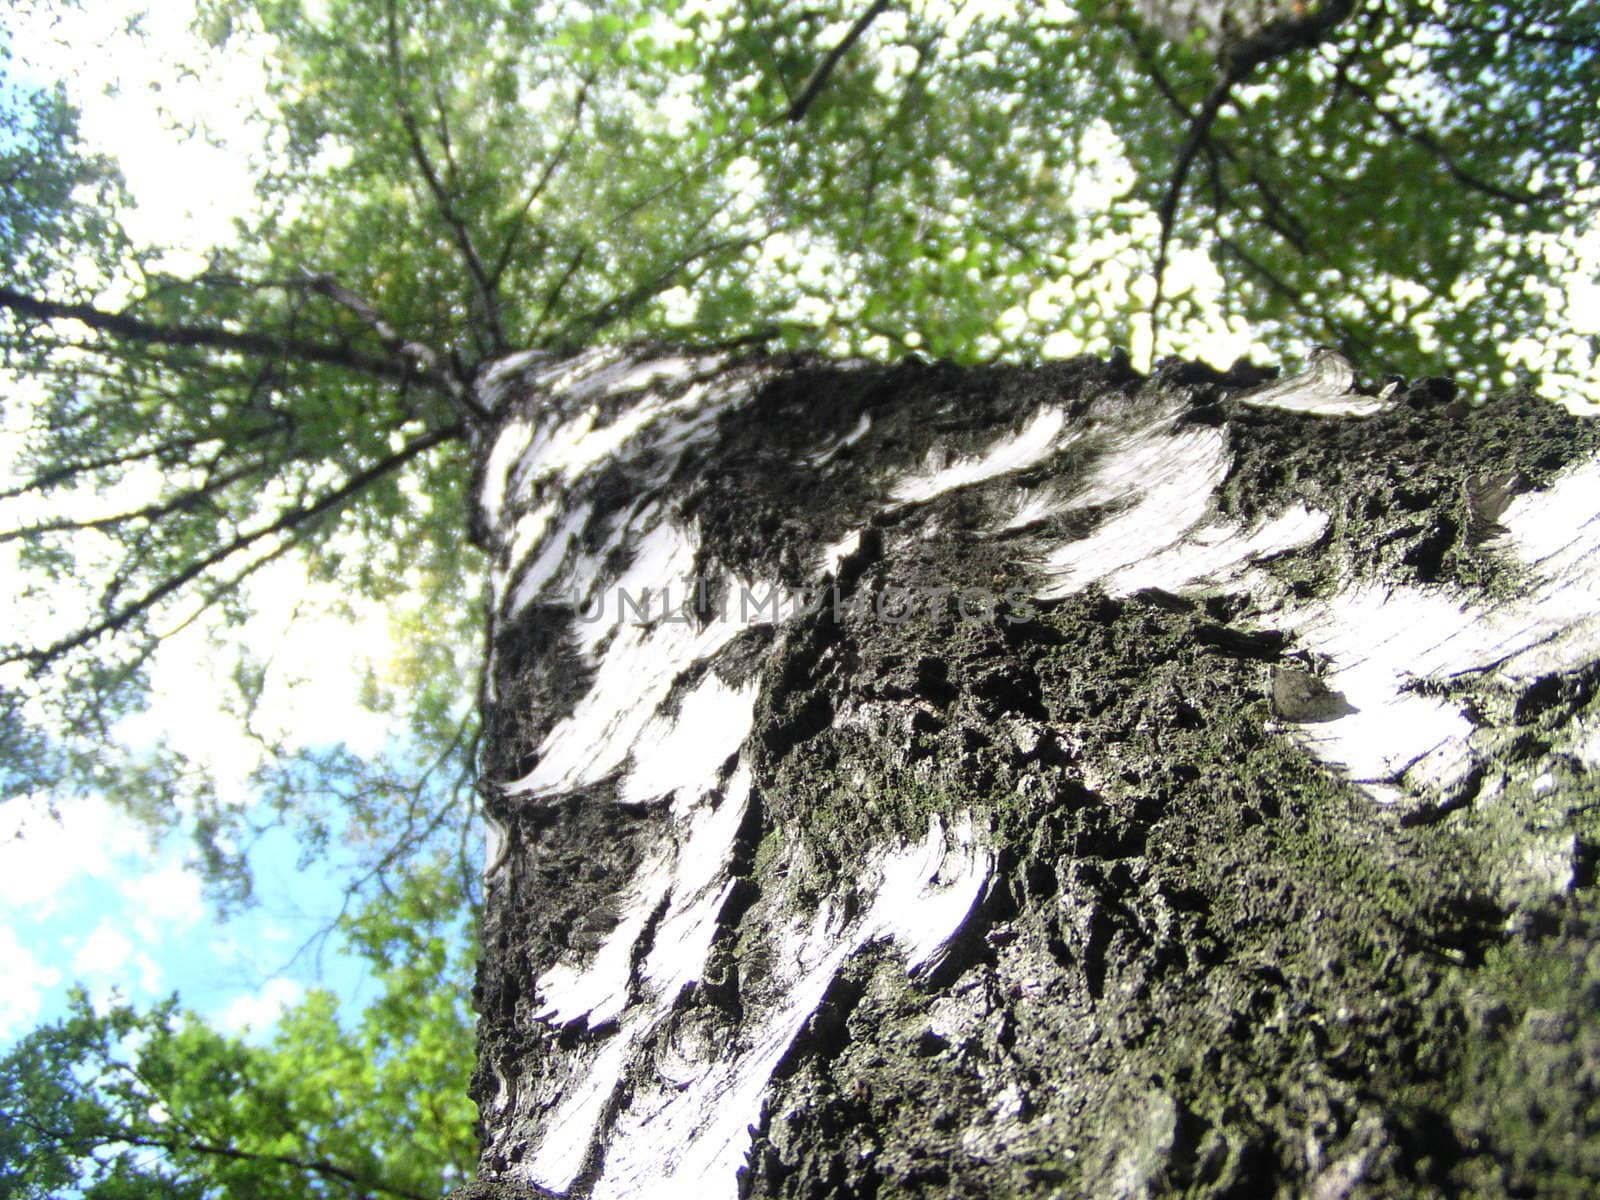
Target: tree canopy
column 444, row 183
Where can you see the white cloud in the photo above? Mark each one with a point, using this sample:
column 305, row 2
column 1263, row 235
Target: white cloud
column 22, row 984
column 150, row 975
column 42, row 852
column 259, row 1009
column 116, row 968
column 166, row 896
column 103, row 954
column 317, row 663
column 319, row 658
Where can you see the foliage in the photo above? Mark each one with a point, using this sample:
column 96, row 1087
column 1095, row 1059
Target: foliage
column 53, row 194
column 110, row 1102
column 1351, row 189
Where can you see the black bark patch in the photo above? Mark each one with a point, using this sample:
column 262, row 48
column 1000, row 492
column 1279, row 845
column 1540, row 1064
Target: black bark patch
column 1376, row 476
column 538, row 677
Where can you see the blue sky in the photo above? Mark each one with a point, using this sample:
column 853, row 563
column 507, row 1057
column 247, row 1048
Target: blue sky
column 85, row 895
column 88, row 900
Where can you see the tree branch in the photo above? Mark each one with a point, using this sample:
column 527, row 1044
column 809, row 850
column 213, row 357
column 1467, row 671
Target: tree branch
column 187, row 499
column 551, row 166
column 1428, row 142
column 1277, row 40
column 819, row 77
column 286, row 522
column 312, row 1166
column 621, row 306
column 56, row 476
column 1276, row 213
column 130, row 328
column 553, row 295
column 398, row 345
column 441, row 195
column 1345, row 335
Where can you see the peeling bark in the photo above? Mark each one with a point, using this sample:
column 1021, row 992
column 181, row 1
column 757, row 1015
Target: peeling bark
column 1134, row 790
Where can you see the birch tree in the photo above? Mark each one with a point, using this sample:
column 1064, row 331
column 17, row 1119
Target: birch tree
column 474, row 205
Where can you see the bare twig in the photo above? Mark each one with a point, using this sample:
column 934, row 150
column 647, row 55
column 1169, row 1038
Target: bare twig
column 1431, row 144
column 286, row 522
column 130, row 328
column 436, row 188
column 819, row 77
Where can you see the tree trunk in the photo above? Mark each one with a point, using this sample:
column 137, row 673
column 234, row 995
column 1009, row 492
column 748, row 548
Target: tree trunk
column 1045, row 781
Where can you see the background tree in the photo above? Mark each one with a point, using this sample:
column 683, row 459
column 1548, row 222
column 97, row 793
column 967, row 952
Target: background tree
column 116, row 1102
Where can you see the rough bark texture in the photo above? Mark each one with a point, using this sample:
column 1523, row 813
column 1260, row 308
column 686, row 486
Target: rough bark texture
column 1234, row 836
